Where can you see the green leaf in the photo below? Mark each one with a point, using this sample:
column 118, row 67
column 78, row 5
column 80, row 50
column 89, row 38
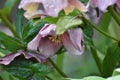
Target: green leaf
column 67, row 22
column 111, row 59
column 49, row 19
column 89, row 78
column 84, row 1
column 10, row 43
column 116, row 72
column 6, row 76
column 75, row 12
column 33, row 31
column 19, row 22
column 114, row 78
column 27, row 69
column 27, row 28
column 88, row 34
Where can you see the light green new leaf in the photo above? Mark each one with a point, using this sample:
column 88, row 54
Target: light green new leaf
column 116, row 72
column 114, row 78
column 89, row 78
column 67, row 22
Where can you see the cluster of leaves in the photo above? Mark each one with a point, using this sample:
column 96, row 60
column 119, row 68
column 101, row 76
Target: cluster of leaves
column 27, row 69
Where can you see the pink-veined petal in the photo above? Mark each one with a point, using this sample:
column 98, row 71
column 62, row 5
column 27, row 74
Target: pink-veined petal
column 48, row 48
column 69, row 45
column 76, row 36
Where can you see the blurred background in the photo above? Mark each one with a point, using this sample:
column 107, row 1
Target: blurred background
column 73, row 66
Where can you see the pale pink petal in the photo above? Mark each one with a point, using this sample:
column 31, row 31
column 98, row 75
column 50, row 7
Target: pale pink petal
column 76, row 36
column 9, row 58
column 118, row 3
column 48, row 29
column 78, row 5
column 48, row 48
column 69, row 45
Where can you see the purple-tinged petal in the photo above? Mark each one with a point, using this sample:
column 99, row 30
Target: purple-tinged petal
column 48, row 29
column 9, row 58
column 33, row 45
column 118, row 3
column 69, row 45
column 48, row 48
column 92, row 15
column 38, row 57
column 76, row 36
column 103, row 4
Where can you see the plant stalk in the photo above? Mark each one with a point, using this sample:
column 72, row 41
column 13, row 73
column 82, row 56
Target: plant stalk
column 114, row 14
column 57, row 69
column 101, row 31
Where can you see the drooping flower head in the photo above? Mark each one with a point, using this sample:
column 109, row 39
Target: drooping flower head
column 103, row 4
column 36, row 8
column 48, row 43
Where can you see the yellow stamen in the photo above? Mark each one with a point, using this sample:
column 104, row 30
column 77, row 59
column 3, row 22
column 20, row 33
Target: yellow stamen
column 56, row 39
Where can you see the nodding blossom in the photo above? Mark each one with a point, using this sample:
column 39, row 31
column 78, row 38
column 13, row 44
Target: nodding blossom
column 37, row 8
column 103, row 4
column 6, row 60
column 48, row 43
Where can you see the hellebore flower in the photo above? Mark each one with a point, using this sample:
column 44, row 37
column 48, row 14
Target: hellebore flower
column 103, row 4
column 10, row 57
column 37, row 8
column 48, row 43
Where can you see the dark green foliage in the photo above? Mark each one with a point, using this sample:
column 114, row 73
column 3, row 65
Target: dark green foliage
column 27, row 69
column 10, row 43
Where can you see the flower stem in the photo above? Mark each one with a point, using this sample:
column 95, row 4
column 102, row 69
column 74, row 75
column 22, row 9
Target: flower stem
column 96, row 58
column 114, row 14
column 101, row 31
column 7, row 22
column 48, row 78
column 56, row 67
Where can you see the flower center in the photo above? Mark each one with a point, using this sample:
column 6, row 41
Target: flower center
column 56, row 39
